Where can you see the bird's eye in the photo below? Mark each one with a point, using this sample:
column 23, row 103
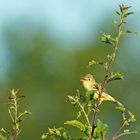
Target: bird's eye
column 88, row 79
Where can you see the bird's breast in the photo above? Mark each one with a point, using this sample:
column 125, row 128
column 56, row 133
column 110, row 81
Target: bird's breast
column 88, row 85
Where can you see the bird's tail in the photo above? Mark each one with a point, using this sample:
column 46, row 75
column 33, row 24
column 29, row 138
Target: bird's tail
column 107, row 97
column 110, row 98
column 118, row 103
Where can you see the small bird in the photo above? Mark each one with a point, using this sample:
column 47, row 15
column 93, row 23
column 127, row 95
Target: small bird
column 90, row 84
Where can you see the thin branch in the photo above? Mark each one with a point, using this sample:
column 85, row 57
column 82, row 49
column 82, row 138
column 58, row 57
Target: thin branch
column 104, row 83
column 11, row 115
column 84, row 112
column 117, row 132
column 76, row 100
column 15, row 127
column 122, row 134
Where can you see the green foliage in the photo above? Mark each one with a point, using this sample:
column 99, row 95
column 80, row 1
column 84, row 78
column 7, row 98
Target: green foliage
column 121, row 109
column 107, row 39
column 55, row 134
column 100, row 130
column 87, row 107
column 84, row 104
column 3, row 132
column 124, row 12
column 93, row 62
column 127, row 118
column 132, row 32
column 76, row 124
column 115, row 76
column 16, row 116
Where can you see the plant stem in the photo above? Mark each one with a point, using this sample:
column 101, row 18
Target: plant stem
column 85, row 114
column 122, row 134
column 117, row 132
column 105, row 81
column 102, row 136
column 16, row 114
column 15, row 130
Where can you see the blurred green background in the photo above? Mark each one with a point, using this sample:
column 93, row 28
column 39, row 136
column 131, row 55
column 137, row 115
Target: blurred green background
column 45, row 47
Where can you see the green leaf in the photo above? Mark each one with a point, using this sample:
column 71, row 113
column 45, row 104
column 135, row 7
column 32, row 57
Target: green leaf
column 51, row 131
column 132, row 32
column 107, row 39
column 124, row 8
column 44, row 136
column 127, row 132
column 93, row 62
column 114, row 22
column 90, row 107
column 120, row 108
column 2, row 134
column 89, row 95
column 66, row 136
column 76, row 124
column 101, row 129
column 118, row 13
column 129, row 13
column 82, row 98
column 116, row 76
column 71, row 97
column 56, row 133
column 4, row 138
column 132, row 117
column 72, row 100
column 79, row 114
column 87, row 130
column 110, row 57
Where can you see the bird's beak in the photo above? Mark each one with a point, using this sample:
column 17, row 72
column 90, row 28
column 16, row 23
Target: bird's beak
column 82, row 79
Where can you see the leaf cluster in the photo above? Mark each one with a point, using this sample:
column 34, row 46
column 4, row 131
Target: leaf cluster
column 16, row 116
column 56, row 134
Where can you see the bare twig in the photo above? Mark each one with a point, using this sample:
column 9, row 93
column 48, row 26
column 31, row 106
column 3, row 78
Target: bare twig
column 117, row 132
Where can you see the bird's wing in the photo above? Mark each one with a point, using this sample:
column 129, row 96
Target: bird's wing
column 108, row 97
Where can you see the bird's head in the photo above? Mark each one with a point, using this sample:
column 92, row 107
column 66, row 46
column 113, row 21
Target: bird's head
column 88, row 82
column 87, row 78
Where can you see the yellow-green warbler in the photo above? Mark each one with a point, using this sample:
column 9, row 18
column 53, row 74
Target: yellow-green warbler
column 90, row 84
